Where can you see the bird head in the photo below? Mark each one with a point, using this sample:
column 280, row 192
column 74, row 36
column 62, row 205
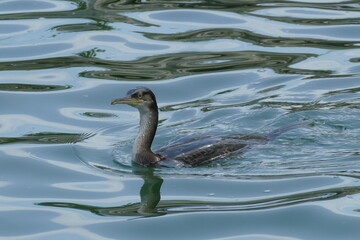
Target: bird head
column 137, row 97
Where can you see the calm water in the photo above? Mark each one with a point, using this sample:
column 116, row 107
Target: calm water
column 216, row 66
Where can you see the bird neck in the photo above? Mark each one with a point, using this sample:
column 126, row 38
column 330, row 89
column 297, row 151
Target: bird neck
column 142, row 153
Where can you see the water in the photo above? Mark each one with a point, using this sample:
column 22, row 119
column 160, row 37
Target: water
column 216, row 66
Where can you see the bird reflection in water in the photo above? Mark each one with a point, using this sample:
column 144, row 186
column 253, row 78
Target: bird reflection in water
column 150, row 192
column 149, row 195
column 152, row 206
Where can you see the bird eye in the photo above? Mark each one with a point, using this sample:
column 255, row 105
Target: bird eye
column 140, row 95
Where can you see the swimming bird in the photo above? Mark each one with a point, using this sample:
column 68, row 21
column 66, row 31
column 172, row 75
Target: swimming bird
column 189, row 151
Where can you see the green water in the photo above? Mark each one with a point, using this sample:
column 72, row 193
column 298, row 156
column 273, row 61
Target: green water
column 216, row 67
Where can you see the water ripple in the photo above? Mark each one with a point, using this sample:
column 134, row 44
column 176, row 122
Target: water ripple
column 21, row 6
column 167, row 66
column 14, row 87
column 33, row 50
column 195, row 17
column 254, row 38
column 216, row 67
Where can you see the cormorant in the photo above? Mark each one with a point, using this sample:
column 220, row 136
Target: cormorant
column 189, row 151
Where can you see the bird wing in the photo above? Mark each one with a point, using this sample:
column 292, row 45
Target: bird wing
column 204, row 148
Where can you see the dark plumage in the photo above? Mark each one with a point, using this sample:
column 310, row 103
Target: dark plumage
column 186, row 152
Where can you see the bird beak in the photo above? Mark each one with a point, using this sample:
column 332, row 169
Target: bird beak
column 127, row 100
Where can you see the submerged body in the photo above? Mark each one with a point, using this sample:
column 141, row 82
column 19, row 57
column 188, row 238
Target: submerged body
column 186, row 152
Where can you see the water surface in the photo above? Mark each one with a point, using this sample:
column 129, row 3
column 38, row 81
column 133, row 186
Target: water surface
column 216, row 67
